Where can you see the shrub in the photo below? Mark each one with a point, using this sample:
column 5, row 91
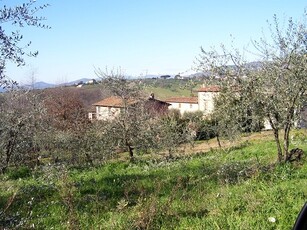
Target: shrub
column 20, row 172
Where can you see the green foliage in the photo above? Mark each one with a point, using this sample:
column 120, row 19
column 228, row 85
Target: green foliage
column 173, row 130
column 20, row 172
column 204, row 129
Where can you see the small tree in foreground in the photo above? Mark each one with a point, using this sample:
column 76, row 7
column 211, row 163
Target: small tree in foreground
column 273, row 89
column 131, row 129
column 173, row 131
column 22, row 126
column 143, row 124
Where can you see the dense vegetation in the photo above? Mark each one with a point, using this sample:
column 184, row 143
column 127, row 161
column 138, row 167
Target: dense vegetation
column 235, row 188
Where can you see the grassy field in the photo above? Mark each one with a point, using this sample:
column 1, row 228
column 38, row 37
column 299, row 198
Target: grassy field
column 239, row 187
column 164, row 89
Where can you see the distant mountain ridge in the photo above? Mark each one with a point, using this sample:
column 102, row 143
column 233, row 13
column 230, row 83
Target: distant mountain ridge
column 40, row 85
column 45, row 85
column 184, row 75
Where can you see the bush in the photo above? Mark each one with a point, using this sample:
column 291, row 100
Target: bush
column 20, row 172
column 195, row 122
column 206, row 132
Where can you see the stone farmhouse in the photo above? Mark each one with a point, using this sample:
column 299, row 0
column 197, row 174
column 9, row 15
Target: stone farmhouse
column 111, row 107
column 203, row 102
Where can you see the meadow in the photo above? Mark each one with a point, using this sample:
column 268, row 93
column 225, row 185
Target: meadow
column 238, row 187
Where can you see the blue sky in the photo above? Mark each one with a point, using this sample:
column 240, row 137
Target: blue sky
column 140, row 36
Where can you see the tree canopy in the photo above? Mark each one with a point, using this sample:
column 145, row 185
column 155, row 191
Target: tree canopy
column 272, row 90
column 11, row 48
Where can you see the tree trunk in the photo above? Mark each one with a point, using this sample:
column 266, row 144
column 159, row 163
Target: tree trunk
column 9, row 150
column 130, row 150
column 89, row 159
column 276, row 137
column 287, row 131
column 286, row 141
column 170, row 153
column 218, row 141
column 279, row 150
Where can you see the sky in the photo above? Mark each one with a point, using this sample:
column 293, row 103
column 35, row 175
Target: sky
column 139, row 36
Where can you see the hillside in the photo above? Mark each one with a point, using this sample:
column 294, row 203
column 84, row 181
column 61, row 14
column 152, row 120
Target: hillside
column 238, row 187
column 161, row 88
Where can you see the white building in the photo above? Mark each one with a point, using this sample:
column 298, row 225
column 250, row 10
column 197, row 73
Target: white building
column 107, row 108
column 206, row 97
column 203, row 102
column 111, row 107
column 183, row 104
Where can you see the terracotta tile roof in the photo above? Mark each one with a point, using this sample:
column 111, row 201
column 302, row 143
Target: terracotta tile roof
column 190, row 100
column 113, row 101
column 212, row 88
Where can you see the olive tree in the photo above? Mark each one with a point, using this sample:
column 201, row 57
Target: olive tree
column 22, row 128
column 272, row 89
column 134, row 127
column 174, row 131
column 12, row 50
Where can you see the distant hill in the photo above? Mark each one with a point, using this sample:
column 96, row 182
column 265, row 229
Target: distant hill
column 40, row 85
column 45, row 85
column 184, row 75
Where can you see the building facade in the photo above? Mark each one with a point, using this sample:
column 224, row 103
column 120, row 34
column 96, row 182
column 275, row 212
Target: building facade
column 183, row 104
column 203, row 102
column 111, row 107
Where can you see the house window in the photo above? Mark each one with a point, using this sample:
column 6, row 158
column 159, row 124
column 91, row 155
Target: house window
column 179, row 106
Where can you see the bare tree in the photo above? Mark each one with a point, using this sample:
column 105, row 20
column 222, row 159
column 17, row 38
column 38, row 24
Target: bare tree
column 65, row 108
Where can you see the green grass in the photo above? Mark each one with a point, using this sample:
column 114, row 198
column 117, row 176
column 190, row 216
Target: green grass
column 235, row 189
column 162, row 89
column 164, row 93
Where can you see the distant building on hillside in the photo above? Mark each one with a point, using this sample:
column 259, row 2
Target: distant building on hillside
column 91, row 82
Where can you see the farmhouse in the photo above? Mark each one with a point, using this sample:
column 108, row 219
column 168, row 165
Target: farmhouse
column 203, row 102
column 183, row 104
column 111, row 107
column 206, row 97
